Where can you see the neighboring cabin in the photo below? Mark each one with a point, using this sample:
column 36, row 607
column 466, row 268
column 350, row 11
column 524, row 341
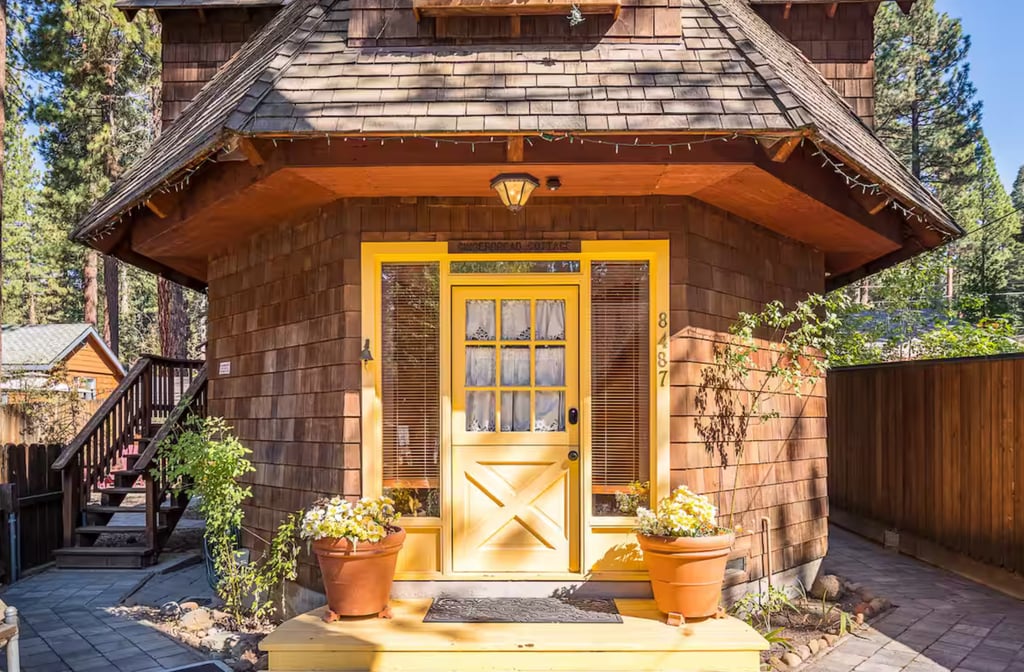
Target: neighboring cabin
column 58, row 358
column 380, row 322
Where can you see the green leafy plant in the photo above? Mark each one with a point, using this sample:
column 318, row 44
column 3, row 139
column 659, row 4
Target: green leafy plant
column 767, row 355
column 207, row 461
column 775, row 637
column 638, row 495
column 757, row 609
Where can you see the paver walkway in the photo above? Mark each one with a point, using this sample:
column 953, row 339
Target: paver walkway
column 941, row 621
column 66, row 626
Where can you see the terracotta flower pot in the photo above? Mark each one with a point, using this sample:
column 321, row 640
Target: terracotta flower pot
column 687, row 572
column 358, row 577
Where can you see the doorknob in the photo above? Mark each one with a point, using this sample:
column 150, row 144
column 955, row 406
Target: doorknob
column 574, row 416
column 574, row 455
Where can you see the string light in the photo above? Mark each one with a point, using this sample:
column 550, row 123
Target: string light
column 852, row 180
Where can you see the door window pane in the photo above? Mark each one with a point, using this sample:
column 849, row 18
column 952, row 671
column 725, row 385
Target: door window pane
column 480, row 322
column 515, row 320
column 515, row 366
column 515, row 411
column 551, row 320
column 550, row 412
column 480, row 366
column 480, row 411
column 550, row 368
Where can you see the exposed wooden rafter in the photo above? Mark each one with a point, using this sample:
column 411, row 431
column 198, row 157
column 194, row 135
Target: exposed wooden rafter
column 779, row 150
column 514, row 149
column 252, row 153
column 161, row 204
column 832, row 9
column 786, row 10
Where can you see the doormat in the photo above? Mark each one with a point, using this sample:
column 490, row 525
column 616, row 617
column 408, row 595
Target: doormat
column 522, row 610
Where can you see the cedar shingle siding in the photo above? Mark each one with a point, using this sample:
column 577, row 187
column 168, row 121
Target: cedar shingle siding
column 285, row 309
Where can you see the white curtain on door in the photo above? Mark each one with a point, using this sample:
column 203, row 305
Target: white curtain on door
column 550, row 370
column 515, row 366
column 515, row 320
column 550, row 412
column 479, row 411
column 551, row 320
column 515, row 411
column 480, row 320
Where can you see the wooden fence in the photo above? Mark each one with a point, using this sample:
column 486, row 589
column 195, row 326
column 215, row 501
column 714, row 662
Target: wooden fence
column 31, row 491
column 19, row 426
column 933, row 450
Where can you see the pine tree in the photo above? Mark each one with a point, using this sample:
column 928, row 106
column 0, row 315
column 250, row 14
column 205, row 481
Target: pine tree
column 95, row 116
column 926, row 105
column 3, row 139
column 1017, row 195
column 987, row 256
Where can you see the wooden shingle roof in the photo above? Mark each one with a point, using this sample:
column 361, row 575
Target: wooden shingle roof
column 731, row 72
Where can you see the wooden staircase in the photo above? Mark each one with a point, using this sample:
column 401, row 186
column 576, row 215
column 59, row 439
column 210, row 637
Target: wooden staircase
column 111, row 470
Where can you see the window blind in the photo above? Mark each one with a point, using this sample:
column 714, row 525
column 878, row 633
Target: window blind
column 620, row 380
column 410, row 385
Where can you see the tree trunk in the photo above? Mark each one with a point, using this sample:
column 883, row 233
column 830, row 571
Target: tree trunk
column 3, row 128
column 111, row 266
column 173, row 320
column 90, row 290
column 112, row 315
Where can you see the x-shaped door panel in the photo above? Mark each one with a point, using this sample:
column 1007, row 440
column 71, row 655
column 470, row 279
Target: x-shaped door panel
column 514, row 515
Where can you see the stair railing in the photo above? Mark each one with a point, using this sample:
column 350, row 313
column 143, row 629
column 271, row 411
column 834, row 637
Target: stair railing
column 152, row 385
column 153, row 466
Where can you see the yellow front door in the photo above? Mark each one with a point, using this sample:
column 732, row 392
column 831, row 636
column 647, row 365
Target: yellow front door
column 515, row 429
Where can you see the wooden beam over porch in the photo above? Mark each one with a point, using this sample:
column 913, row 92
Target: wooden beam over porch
column 794, row 197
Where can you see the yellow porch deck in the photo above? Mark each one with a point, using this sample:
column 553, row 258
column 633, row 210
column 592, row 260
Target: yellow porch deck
column 643, row 641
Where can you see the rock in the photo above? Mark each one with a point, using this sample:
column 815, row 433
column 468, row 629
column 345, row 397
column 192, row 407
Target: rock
column 221, row 616
column 803, row 651
column 791, row 659
column 189, row 606
column 170, row 610
column 216, row 639
column 814, row 646
column 831, row 639
column 775, row 661
column 862, row 609
column 241, row 645
column 243, row 665
column 827, row 586
column 860, row 618
column 879, row 604
column 196, row 620
column 866, row 595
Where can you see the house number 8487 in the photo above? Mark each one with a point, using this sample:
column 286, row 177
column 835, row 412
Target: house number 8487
column 663, row 350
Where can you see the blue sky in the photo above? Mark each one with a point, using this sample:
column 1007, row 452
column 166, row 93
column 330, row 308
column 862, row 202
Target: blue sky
column 997, row 55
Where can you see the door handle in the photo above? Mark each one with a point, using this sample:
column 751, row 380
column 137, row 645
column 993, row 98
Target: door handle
column 574, row 455
column 574, row 416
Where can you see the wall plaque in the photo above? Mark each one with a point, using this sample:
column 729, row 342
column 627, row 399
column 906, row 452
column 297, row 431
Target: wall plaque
column 512, row 246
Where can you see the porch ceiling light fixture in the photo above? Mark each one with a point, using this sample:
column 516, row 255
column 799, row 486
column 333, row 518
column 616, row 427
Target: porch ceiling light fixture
column 514, row 189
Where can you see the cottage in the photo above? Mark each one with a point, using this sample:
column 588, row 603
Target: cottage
column 474, row 254
column 60, row 358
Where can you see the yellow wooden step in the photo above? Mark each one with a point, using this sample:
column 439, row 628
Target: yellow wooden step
column 643, row 641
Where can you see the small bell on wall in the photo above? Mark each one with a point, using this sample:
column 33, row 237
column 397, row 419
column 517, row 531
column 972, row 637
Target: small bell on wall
column 366, row 355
